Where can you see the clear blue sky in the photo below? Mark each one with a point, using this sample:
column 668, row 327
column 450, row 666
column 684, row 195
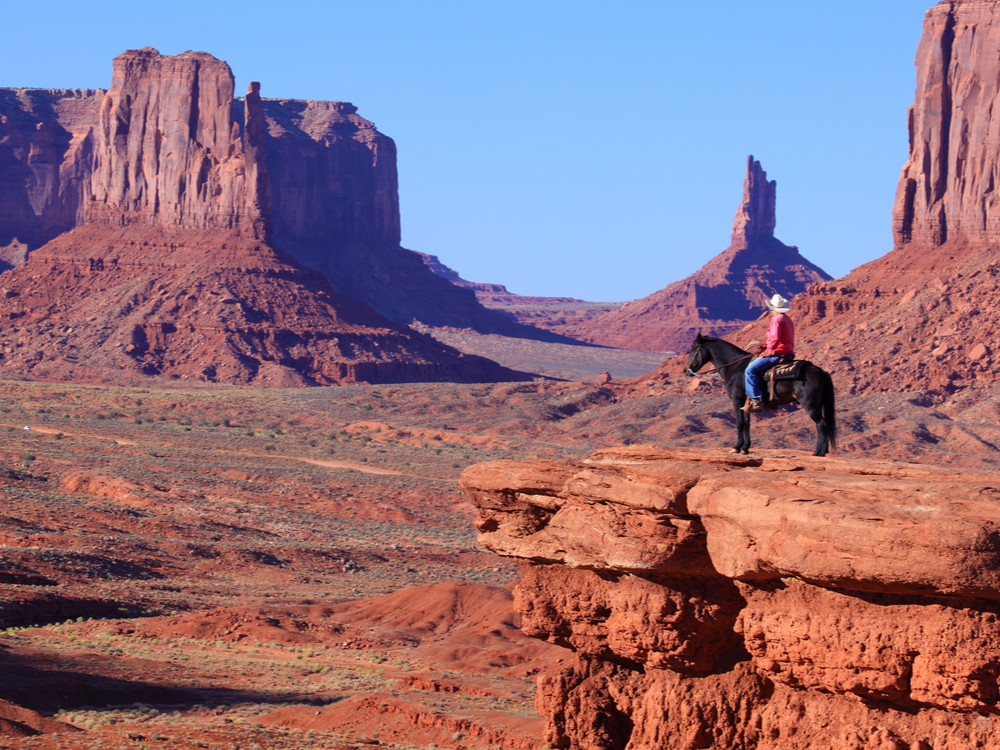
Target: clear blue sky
column 586, row 149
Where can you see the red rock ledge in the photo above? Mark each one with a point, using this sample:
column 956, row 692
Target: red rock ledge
column 777, row 601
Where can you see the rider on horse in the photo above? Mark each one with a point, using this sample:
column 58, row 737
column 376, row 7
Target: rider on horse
column 779, row 347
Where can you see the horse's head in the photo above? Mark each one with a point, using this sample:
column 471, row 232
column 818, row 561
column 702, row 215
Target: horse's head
column 696, row 357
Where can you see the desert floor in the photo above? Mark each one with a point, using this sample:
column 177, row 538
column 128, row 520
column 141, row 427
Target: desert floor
column 212, row 566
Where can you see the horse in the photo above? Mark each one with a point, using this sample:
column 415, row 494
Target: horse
column 813, row 390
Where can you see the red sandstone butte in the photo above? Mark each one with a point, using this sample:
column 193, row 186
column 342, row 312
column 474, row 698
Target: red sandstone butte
column 172, row 271
column 724, row 294
column 172, row 144
column 777, row 602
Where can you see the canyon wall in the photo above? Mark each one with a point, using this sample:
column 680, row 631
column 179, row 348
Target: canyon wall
column 738, row 603
column 721, row 296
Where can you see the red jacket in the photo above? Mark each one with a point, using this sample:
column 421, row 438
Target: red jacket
column 780, row 335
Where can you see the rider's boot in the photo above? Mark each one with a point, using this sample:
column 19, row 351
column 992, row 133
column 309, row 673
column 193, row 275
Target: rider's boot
column 752, row 405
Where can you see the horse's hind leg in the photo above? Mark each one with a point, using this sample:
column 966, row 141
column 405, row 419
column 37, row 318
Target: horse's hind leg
column 822, row 444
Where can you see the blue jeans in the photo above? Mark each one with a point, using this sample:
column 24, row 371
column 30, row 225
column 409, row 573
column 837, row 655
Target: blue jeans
column 755, row 369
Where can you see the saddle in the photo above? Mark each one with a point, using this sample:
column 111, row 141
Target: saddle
column 784, row 371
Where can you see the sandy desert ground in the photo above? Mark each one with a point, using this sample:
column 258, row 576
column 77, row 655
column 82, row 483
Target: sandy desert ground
column 226, row 567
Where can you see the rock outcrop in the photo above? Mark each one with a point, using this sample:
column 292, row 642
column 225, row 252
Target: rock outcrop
column 947, row 190
column 724, row 294
column 171, row 269
column 46, row 156
column 169, row 153
column 776, row 602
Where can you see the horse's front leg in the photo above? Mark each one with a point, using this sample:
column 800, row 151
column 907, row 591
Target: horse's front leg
column 742, row 431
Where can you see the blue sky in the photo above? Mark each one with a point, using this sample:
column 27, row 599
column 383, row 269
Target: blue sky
column 585, row 149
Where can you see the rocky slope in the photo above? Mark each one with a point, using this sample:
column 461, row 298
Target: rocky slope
column 724, row 294
column 922, row 317
column 770, row 602
column 171, row 270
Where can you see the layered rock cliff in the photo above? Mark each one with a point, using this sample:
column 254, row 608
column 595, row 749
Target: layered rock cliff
column 724, row 294
column 779, row 602
column 46, row 162
column 171, row 268
column 172, row 146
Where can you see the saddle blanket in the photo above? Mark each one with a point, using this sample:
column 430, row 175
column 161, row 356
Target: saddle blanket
column 790, row 371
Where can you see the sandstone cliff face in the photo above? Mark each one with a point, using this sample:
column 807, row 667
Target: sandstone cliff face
column 46, row 154
column 724, row 294
column 947, row 190
column 770, row 602
column 167, row 151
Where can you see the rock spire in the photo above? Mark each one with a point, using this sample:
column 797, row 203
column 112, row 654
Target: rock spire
column 755, row 218
column 721, row 296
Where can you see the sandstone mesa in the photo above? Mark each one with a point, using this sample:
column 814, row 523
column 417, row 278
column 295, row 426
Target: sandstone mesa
column 152, row 214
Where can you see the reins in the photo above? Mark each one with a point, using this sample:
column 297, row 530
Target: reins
column 719, row 367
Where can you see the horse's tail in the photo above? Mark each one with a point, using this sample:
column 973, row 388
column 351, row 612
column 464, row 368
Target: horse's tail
column 829, row 412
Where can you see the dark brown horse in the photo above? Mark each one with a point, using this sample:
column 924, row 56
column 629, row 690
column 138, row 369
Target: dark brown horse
column 813, row 390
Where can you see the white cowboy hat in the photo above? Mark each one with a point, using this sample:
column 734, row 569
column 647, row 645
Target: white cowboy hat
column 777, row 303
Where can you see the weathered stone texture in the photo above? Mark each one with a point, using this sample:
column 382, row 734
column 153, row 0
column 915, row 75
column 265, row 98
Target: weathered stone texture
column 168, row 151
column 844, row 603
column 947, row 190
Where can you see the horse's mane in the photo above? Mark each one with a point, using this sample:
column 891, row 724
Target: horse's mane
column 713, row 339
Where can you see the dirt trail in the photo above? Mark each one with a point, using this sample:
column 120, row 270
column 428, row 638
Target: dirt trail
column 351, row 465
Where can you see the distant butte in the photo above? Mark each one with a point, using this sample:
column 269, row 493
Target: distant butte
column 724, row 294
column 158, row 214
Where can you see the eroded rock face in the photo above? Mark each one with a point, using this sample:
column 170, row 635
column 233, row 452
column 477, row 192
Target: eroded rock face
column 721, row 296
column 169, row 146
column 947, row 190
column 815, row 603
column 46, row 155
column 167, row 151
column 168, row 268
